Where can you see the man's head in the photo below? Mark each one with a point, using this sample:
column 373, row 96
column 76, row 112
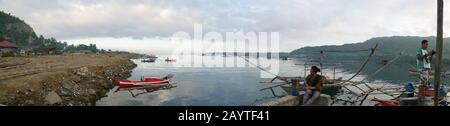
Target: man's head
column 424, row 44
column 314, row 70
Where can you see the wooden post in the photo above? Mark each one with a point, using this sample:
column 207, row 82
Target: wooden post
column 334, row 73
column 305, row 70
column 439, row 45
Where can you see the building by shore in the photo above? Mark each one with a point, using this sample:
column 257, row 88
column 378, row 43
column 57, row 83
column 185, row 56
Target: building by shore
column 8, row 49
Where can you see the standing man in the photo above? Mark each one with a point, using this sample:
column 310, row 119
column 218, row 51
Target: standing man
column 424, row 62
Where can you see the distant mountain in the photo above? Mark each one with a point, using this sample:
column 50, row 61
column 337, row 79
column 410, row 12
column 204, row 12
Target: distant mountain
column 15, row 30
column 349, row 57
column 388, row 46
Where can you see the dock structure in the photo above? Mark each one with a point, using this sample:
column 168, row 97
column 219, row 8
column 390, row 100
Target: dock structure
column 323, row 100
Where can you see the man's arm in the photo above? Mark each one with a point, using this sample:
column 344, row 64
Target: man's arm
column 420, row 56
column 432, row 54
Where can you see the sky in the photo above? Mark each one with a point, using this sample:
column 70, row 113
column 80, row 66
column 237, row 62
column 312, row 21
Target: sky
column 147, row 25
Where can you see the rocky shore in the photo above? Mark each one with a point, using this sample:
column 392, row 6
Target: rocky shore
column 63, row 80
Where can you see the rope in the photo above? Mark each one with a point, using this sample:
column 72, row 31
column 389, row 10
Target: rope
column 365, row 50
column 389, row 63
column 259, row 67
column 363, row 66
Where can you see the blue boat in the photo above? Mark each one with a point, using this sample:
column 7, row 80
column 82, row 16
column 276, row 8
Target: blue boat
column 148, row 60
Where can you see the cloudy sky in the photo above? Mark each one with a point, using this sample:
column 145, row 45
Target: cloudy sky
column 144, row 24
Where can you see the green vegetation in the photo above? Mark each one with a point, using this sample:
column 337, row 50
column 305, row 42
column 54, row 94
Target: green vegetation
column 15, row 30
column 82, row 47
column 8, row 54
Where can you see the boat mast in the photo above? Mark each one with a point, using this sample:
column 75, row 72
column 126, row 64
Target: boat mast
column 439, row 45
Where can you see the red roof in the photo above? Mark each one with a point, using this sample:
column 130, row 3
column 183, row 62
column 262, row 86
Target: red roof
column 6, row 44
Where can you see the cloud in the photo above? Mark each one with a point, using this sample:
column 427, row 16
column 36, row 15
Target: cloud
column 300, row 22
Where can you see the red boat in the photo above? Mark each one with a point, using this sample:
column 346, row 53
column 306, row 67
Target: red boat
column 170, row 60
column 387, row 102
column 146, row 83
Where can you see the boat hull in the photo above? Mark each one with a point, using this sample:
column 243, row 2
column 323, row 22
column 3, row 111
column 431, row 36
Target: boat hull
column 130, row 84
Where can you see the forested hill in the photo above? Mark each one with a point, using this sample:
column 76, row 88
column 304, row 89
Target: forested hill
column 388, row 46
column 15, row 30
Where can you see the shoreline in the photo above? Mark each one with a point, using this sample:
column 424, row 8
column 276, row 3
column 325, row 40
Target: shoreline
column 62, row 80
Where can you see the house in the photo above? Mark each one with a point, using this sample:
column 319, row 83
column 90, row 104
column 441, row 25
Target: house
column 9, row 48
column 40, row 51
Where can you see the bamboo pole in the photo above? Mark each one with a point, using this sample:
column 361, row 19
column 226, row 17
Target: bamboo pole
column 363, row 65
column 334, row 73
column 439, row 45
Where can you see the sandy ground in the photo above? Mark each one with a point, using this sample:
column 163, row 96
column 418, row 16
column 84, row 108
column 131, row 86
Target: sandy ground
column 36, row 76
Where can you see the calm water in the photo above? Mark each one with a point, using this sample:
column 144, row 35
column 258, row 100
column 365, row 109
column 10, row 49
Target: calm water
column 215, row 86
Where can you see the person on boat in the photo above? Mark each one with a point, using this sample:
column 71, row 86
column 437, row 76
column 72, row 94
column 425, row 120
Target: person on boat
column 313, row 86
column 424, row 62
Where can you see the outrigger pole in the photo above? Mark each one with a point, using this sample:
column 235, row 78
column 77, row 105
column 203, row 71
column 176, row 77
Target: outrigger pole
column 363, row 65
column 439, row 45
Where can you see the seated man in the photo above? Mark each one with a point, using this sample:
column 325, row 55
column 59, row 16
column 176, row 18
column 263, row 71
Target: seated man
column 313, row 86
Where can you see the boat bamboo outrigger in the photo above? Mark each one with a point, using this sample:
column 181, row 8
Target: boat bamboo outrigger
column 293, row 84
column 401, row 96
column 438, row 92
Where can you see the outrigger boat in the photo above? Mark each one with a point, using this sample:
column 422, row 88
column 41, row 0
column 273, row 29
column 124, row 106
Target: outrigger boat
column 170, row 60
column 148, row 84
column 150, row 59
column 386, row 102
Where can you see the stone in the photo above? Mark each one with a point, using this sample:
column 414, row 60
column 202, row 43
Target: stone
column 323, row 100
column 105, row 84
column 67, row 85
column 65, row 92
column 82, row 71
column 91, row 92
column 29, row 102
column 93, row 81
column 53, row 98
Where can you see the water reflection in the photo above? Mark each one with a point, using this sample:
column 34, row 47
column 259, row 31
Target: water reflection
column 216, row 84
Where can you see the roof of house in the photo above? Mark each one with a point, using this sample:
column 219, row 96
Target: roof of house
column 6, row 44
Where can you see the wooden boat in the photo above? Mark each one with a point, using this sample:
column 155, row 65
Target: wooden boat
column 147, row 83
column 148, row 60
column 386, row 102
column 153, row 57
column 170, row 60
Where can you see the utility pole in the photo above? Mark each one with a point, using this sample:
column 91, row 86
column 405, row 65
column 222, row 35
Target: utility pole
column 439, row 45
